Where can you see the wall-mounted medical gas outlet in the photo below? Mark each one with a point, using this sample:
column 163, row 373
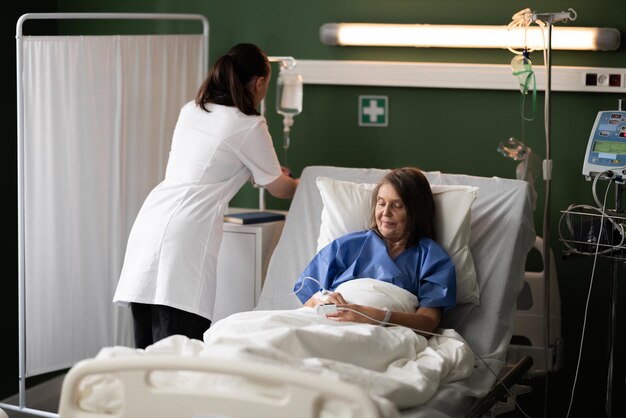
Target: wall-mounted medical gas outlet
column 604, row 79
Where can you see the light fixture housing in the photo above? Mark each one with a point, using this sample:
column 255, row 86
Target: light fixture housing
column 467, row 36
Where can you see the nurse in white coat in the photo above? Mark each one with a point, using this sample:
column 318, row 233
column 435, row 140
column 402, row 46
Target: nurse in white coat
column 219, row 143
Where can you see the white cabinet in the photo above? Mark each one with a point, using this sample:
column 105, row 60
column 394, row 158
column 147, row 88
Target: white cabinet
column 241, row 265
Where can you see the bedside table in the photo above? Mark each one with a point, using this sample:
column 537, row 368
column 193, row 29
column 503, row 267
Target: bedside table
column 241, row 265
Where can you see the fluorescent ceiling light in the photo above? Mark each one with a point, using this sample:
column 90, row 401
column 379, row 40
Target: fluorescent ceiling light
column 467, row 36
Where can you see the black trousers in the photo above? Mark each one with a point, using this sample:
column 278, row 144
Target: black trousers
column 152, row 323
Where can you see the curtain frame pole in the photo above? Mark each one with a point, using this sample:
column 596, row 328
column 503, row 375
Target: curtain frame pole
column 21, row 407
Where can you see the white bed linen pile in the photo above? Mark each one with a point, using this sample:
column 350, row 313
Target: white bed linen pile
column 397, row 367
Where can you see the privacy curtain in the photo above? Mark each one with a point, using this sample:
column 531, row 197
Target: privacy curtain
column 99, row 114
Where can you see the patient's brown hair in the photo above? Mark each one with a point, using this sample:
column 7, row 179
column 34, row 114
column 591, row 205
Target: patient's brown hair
column 413, row 188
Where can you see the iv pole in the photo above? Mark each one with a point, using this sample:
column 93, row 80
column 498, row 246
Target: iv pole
column 289, row 63
column 548, row 19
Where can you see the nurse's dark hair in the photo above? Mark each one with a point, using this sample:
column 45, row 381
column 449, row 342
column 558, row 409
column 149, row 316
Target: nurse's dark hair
column 227, row 81
column 414, row 190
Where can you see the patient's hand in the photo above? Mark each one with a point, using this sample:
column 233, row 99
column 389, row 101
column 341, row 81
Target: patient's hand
column 336, row 298
column 333, row 297
column 350, row 313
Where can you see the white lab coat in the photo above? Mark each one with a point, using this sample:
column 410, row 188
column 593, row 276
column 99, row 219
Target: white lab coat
column 171, row 255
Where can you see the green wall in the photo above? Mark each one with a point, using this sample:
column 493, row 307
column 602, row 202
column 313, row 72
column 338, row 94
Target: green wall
column 454, row 131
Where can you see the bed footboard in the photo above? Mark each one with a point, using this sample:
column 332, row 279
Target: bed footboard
column 281, row 392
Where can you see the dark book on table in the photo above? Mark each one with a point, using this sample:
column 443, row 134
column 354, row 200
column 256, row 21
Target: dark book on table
column 245, row 218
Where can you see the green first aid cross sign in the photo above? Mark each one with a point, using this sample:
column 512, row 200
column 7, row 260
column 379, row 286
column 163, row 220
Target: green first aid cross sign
column 373, row 111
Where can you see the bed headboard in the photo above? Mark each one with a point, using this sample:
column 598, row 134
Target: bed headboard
column 502, row 233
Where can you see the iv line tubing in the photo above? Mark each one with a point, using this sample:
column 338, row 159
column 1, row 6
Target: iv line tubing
column 593, row 273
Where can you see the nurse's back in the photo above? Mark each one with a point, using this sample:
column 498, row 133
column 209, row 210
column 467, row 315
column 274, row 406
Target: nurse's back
column 206, row 146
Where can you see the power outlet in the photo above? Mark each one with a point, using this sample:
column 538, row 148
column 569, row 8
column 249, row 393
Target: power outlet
column 615, row 80
column 591, row 79
column 604, row 79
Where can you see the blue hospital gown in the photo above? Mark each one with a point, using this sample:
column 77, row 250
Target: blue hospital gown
column 426, row 269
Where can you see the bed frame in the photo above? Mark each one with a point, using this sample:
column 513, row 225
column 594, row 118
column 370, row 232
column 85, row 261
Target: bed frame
column 283, row 393
column 502, row 235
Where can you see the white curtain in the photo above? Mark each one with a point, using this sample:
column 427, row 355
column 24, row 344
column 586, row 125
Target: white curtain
column 99, row 115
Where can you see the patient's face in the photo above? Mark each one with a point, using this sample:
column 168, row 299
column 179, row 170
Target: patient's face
column 390, row 214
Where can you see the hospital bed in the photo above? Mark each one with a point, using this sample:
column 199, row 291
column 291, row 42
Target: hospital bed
column 501, row 235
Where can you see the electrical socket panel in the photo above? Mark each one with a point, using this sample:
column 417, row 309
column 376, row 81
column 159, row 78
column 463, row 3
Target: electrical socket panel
column 607, row 79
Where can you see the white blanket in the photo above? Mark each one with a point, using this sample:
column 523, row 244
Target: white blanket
column 397, row 367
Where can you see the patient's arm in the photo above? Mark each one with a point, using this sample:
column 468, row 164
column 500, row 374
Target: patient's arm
column 425, row 319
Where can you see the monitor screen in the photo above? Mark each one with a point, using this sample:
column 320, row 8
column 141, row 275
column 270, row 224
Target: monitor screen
column 610, row 147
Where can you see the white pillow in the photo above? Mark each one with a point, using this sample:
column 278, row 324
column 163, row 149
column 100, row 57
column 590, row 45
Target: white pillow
column 379, row 294
column 348, row 205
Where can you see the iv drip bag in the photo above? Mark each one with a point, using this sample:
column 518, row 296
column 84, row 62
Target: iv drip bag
column 288, row 100
column 289, row 95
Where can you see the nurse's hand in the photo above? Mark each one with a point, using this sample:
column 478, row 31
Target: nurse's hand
column 286, row 171
column 283, row 187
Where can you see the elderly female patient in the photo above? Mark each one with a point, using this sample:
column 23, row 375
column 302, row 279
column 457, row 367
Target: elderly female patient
column 399, row 248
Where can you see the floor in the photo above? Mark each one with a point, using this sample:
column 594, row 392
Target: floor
column 43, row 397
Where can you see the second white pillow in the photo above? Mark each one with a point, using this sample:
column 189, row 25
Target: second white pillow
column 348, row 205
